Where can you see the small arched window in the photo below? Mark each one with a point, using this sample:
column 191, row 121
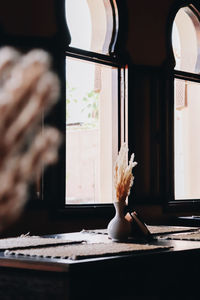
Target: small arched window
column 186, row 40
column 186, row 47
column 95, row 104
column 93, row 25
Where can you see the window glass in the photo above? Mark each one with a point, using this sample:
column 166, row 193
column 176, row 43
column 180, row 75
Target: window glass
column 92, row 131
column 95, row 109
column 185, row 41
column 91, row 24
column 187, row 139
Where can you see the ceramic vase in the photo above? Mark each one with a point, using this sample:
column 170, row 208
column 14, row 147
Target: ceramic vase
column 119, row 228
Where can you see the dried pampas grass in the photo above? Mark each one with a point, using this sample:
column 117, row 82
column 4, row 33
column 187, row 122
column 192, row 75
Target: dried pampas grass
column 28, row 90
column 123, row 177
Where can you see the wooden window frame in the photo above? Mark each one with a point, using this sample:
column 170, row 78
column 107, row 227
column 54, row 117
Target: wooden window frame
column 115, row 58
column 190, row 206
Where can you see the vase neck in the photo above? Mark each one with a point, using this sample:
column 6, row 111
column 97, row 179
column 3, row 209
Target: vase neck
column 119, row 208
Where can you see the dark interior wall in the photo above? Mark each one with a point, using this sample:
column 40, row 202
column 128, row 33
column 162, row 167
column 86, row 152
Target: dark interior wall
column 150, row 55
column 28, row 18
column 147, row 21
column 147, row 52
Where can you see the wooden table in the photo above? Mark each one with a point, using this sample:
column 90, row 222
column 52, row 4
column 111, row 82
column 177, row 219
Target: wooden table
column 169, row 274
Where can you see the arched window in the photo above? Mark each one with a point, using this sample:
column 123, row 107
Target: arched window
column 93, row 24
column 95, row 104
column 186, row 42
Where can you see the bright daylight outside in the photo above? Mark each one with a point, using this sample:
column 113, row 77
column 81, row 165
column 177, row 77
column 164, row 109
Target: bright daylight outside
column 91, row 113
column 187, row 106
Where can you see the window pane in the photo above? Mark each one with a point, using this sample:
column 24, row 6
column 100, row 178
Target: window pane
column 91, row 24
column 92, row 131
column 185, row 41
column 187, row 140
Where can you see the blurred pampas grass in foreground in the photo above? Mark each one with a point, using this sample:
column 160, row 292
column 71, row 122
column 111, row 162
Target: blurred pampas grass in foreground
column 123, row 176
column 28, row 90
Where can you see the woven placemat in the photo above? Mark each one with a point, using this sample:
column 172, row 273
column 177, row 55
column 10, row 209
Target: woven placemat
column 158, row 230
column 95, row 231
column 83, row 251
column 26, row 241
column 155, row 230
column 191, row 236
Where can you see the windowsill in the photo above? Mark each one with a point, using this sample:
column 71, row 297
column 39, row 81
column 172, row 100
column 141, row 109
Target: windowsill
column 183, row 206
column 189, row 221
column 86, row 209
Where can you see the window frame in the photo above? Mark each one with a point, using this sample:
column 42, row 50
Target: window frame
column 115, row 58
column 170, row 203
column 121, row 67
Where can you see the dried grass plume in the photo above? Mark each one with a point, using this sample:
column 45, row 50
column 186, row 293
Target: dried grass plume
column 28, row 90
column 123, row 177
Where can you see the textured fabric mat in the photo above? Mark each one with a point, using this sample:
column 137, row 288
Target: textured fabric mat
column 155, row 230
column 191, row 236
column 169, row 229
column 83, row 251
column 32, row 241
